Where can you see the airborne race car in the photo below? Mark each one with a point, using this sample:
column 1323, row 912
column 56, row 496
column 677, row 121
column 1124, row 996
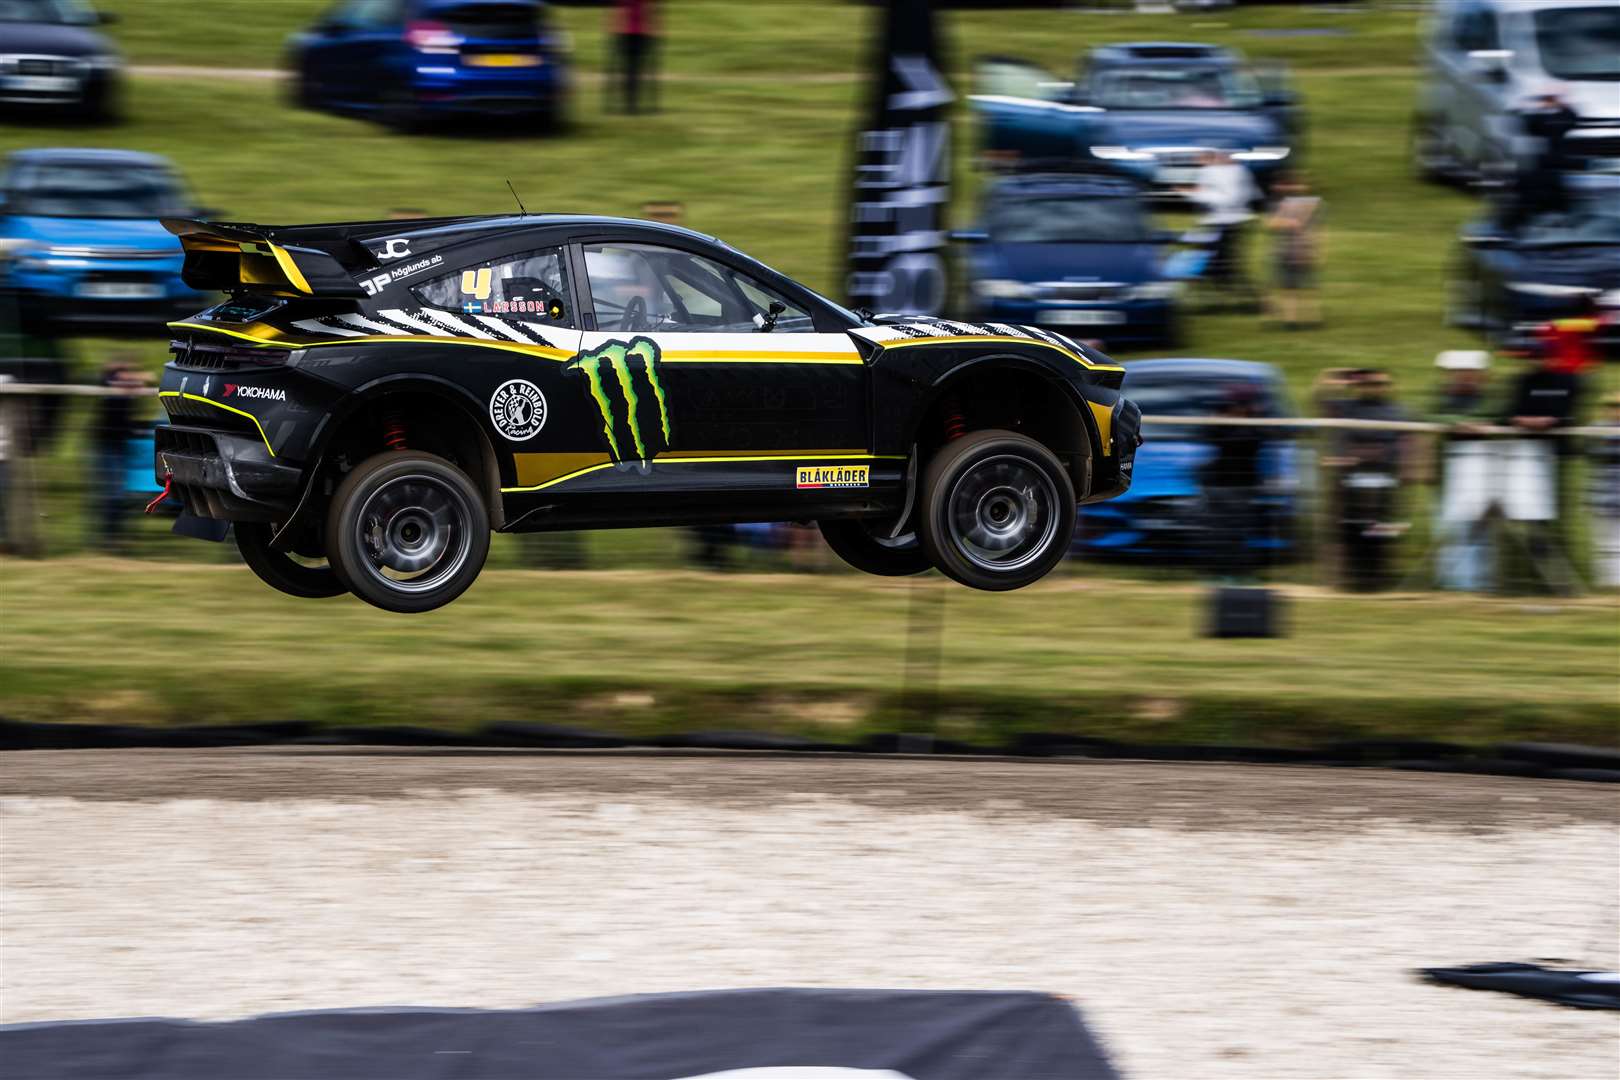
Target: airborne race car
column 375, row 398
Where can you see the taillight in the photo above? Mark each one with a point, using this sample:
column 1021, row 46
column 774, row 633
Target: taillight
column 431, row 37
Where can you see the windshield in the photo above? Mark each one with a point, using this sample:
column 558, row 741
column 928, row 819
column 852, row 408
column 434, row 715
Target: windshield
column 1067, row 220
column 1580, row 43
column 1594, row 224
column 1175, row 88
column 46, row 11
column 1197, row 393
column 96, row 191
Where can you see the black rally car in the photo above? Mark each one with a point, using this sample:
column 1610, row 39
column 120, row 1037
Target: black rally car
column 374, row 398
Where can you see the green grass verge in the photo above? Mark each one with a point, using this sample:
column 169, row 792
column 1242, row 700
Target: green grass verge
column 644, row 652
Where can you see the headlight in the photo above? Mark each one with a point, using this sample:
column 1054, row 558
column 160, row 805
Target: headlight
column 105, row 63
column 1155, row 290
column 1120, row 153
column 1003, row 289
column 1542, row 288
column 1262, row 153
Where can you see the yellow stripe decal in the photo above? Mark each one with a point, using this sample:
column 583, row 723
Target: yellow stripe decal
column 667, row 460
column 1082, row 361
column 545, row 352
column 1105, row 426
column 284, row 259
column 227, row 408
column 744, row 356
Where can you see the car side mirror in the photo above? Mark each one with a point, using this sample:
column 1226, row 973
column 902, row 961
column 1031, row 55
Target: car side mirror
column 969, row 236
column 107, row 18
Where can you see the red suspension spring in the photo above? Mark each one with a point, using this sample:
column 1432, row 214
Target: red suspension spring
column 955, row 423
column 394, row 431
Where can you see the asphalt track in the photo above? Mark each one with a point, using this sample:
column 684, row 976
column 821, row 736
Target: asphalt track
column 1211, row 920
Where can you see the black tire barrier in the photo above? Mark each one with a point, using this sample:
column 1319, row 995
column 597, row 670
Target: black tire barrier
column 1540, row 761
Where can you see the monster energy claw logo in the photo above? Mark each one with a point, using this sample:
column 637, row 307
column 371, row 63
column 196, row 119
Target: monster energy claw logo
column 610, row 372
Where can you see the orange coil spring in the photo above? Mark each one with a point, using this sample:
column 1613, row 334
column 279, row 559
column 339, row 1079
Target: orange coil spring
column 394, row 432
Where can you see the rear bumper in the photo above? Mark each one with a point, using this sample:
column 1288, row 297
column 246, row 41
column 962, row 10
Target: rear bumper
column 225, row 477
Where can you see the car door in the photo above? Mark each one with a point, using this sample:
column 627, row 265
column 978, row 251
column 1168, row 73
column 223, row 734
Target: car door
column 344, row 53
column 685, row 359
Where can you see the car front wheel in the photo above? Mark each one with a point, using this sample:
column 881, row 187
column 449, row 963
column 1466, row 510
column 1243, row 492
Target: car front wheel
column 866, row 546
column 407, row 531
column 998, row 510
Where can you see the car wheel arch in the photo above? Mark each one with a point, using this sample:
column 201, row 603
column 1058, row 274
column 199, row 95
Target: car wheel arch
column 414, row 390
column 1063, row 422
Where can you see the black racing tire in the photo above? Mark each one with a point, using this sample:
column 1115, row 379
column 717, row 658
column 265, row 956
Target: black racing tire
column 279, row 570
column 853, row 540
column 998, row 510
column 407, row 531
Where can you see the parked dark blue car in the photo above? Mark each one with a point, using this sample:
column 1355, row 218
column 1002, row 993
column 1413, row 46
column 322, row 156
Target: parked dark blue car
column 408, row 62
column 1554, row 266
column 1166, row 513
column 1074, row 252
column 84, row 240
column 1150, row 109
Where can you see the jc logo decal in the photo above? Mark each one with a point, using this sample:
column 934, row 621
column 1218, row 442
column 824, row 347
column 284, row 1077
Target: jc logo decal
column 396, row 248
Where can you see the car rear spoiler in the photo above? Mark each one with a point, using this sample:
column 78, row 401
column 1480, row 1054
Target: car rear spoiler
column 237, row 257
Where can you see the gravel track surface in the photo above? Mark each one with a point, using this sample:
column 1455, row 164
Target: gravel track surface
column 1211, row 921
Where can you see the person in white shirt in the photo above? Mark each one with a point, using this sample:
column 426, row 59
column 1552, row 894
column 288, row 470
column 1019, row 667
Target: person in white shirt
column 1227, row 194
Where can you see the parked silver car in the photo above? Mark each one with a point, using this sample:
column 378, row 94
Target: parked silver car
column 1486, row 59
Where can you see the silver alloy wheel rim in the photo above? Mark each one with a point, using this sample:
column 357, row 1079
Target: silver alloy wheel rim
column 1002, row 513
column 413, row 533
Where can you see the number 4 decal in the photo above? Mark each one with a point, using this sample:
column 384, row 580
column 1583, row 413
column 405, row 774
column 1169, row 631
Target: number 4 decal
column 475, row 283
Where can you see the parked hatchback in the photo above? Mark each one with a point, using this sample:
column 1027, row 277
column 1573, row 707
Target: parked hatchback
column 1485, row 59
column 86, row 246
column 407, row 62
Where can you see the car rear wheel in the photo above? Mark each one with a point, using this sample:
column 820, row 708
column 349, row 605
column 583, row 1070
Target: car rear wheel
column 291, row 572
column 407, row 531
column 998, row 510
column 866, row 546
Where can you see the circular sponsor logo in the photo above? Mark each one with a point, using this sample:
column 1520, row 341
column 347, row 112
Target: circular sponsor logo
column 518, row 409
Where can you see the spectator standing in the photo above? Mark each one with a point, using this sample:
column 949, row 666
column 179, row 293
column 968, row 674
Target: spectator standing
column 635, row 37
column 1466, row 555
column 1227, row 193
column 19, row 524
column 1604, row 497
column 1231, row 485
column 1545, row 397
column 1292, row 223
column 1538, row 179
column 1374, row 461
column 114, row 424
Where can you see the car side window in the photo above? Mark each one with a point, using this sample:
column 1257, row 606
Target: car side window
column 365, row 14
column 533, row 285
column 641, row 287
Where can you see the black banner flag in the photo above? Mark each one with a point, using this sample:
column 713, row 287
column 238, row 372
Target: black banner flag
column 902, row 179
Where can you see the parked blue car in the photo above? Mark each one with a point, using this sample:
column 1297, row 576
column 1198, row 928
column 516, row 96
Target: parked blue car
column 1072, row 251
column 407, row 62
column 1150, row 109
column 84, row 242
column 1166, row 513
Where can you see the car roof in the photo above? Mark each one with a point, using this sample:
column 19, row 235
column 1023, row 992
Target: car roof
column 75, row 155
column 1142, row 52
column 476, row 225
column 1252, row 370
column 1061, row 183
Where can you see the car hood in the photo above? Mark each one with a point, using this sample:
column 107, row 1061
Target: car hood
column 1128, row 264
column 1229, row 129
column 143, row 234
column 50, row 39
column 1596, row 265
